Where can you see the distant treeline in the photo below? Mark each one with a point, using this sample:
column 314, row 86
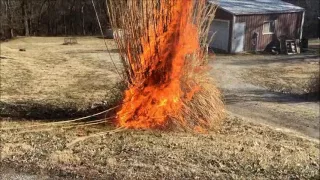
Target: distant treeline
column 51, row 17
column 77, row 17
column 311, row 23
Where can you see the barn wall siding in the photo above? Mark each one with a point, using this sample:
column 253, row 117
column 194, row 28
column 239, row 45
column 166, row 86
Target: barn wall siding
column 286, row 25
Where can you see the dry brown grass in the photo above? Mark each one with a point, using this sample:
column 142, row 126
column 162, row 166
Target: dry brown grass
column 240, row 150
column 206, row 109
column 314, row 86
column 49, row 79
column 287, row 76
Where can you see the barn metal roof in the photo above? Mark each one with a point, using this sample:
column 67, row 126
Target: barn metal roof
column 241, row 7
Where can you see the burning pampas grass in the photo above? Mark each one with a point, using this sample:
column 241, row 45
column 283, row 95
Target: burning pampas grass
column 163, row 46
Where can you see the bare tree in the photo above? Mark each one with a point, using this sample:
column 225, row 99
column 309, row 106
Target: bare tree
column 25, row 15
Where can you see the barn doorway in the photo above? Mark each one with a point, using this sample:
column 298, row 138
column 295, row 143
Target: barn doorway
column 220, row 31
column 238, row 37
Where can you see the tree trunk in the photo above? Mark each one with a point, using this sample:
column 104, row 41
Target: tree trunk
column 11, row 33
column 65, row 25
column 9, row 17
column 25, row 18
column 83, row 26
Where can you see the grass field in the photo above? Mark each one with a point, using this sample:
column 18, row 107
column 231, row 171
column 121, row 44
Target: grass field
column 78, row 77
column 51, row 77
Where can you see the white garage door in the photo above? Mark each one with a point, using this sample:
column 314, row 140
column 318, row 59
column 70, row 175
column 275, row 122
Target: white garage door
column 220, row 29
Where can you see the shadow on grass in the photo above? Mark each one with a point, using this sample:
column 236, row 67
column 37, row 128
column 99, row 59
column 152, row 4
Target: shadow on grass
column 267, row 96
column 46, row 110
column 265, row 60
column 94, row 51
column 41, row 111
column 109, row 37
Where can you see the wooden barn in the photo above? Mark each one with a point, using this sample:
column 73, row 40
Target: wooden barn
column 253, row 25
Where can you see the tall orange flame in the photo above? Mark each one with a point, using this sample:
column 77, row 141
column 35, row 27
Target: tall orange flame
column 155, row 94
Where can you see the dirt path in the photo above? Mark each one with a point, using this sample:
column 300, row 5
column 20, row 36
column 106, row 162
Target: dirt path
column 258, row 104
